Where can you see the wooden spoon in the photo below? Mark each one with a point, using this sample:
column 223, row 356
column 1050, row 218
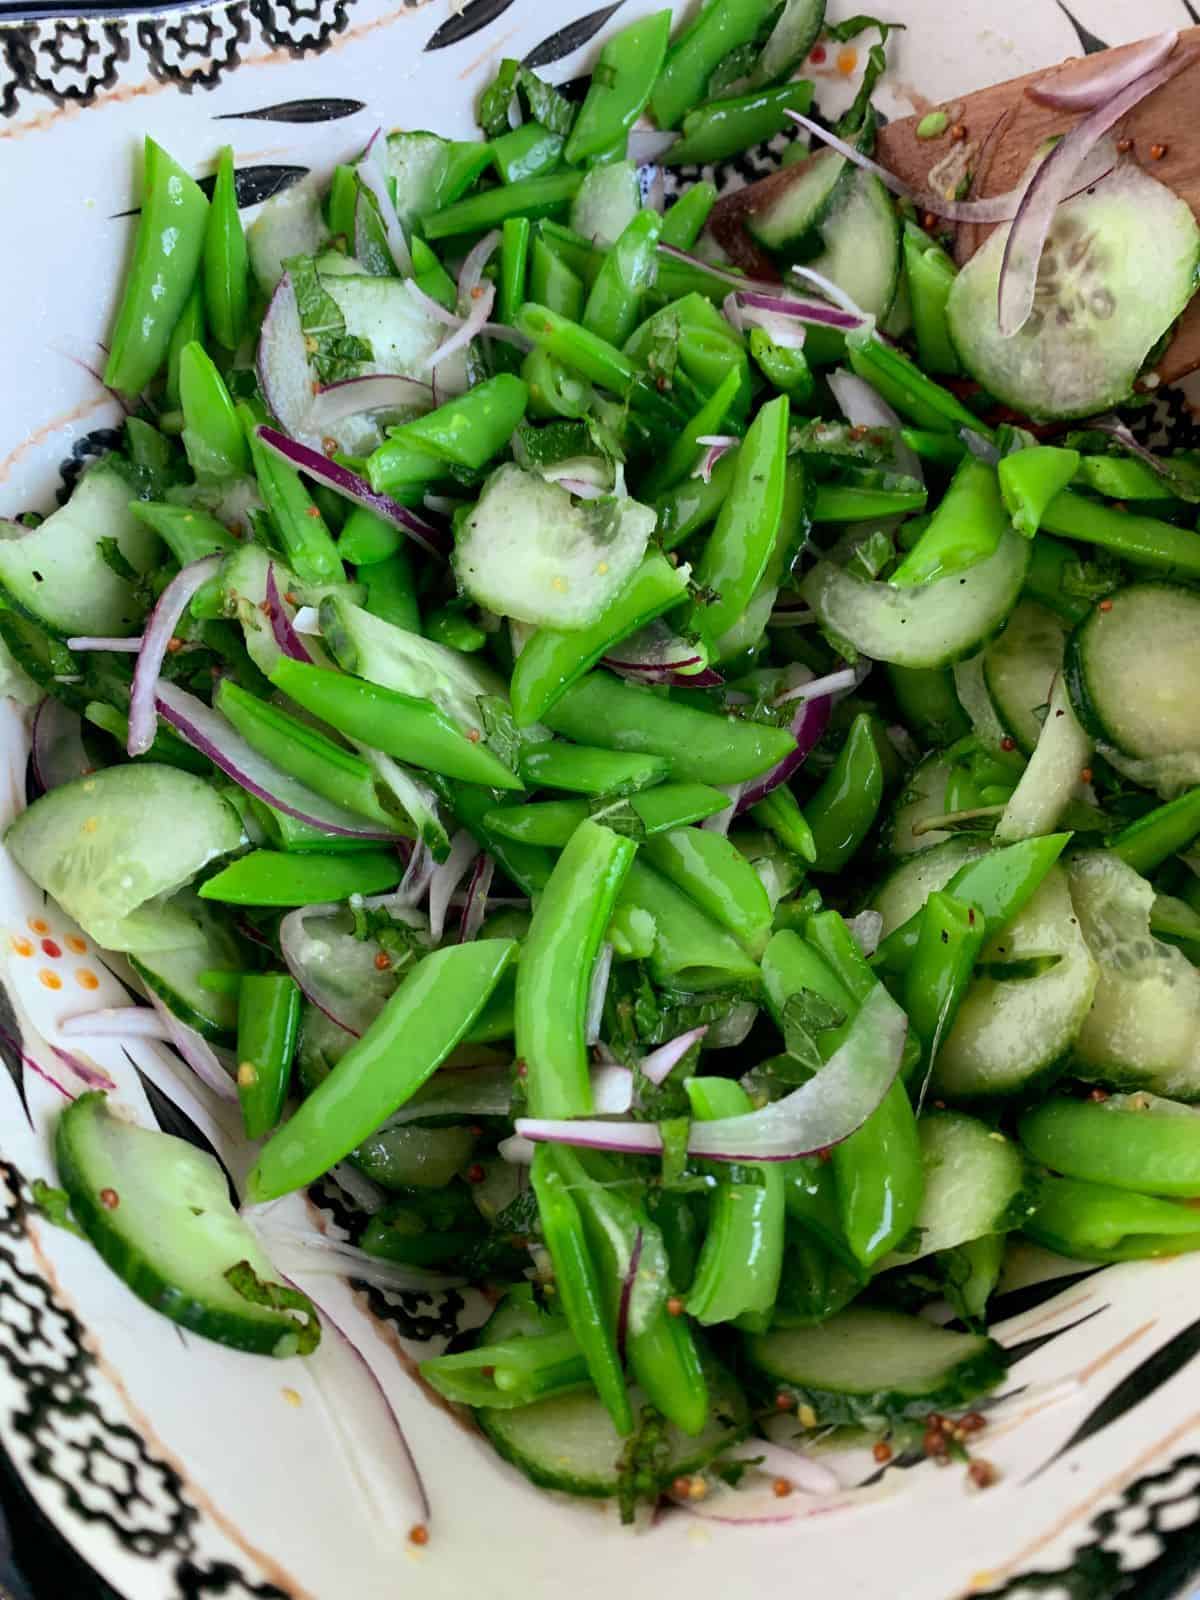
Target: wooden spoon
column 1003, row 128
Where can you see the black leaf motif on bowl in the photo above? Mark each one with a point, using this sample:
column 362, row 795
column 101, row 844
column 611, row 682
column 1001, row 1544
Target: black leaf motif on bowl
column 475, row 15
column 570, row 38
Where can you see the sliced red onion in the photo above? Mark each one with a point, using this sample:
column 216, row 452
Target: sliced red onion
column 418, row 874
column 982, row 449
column 475, row 905
column 91, row 1075
column 89, row 641
column 281, row 625
column 783, row 331
column 818, row 1115
column 720, row 821
column 358, row 1188
column 484, row 298
column 115, row 1022
column 597, row 991
column 325, row 969
column 863, row 407
column 657, row 654
column 160, row 628
column 582, row 489
column 378, row 391
column 70, row 1078
column 627, row 1283
column 1124, row 436
column 214, row 736
column 718, row 444
column 471, row 272
column 294, row 1251
column 832, row 292
column 867, row 930
column 777, row 1461
column 806, row 311
column 374, row 177
column 446, row 878
column 840, row 682
column 516, row 1151
column 196, row 1051
column 738, row 280
column 507, row 335
column 435, row 308
column 351, row 487
column 660, row 1063
column 1050, row 186
column 307, row 621
column 648, row 144
column 612, row 1089
column 57, row 745
column 1105, row 77
column 808, row 729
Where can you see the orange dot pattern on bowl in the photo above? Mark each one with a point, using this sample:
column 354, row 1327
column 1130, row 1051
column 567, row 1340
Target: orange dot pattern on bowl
column 47, row 977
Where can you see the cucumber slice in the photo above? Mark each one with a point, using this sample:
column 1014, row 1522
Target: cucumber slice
column 426, row 174
column 971, row 688
column 1132, row 671
column 861, row 234
column 1013, row 1031
column 289, row 224
column 923, row 795
column 1019, row 668
column 321, row 1046
column 529, row 551
column 396, row 324
column 55, row 572
column 174, row 974
column 1119, row 266
column 1053, row 777
column 905, row 890
column 107, row 846
column 792, row 37
column 569, row 1442
column 931, row 625
column 974, row 1179
column 606, row 203
column 1143, row 1028
column 172, row 1234
column 865, row 1364
column 793, row 210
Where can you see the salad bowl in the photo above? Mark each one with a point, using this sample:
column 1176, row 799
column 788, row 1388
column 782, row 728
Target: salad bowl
column 155, row 1465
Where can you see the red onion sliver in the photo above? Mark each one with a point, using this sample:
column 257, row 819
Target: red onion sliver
column 507, row 335
column 612, row 1089
column 281, row 625
column 374, row 177
column 739, row 280
column 720, row 821
column 446, row 878
column 862, row 406
column 660, row 1063
column 718, row 445
column 435, row 308
column 820, row 1114
column 777, row 1461
column 115, row 1022
column 378, row 391
column 809, row 311
column 1051, row 184
column 351, row 487
column 1128, row 440
column 88, row 641
column 163, row 620
column 1084, row 92
column 516, row 1151
column 627, row 1283
column 92, row 1076
column 597, row 991
column 474, row 324
column 833, row 683
column 310, row 1252
column 214, row 736
column 57, row 745
column 648, row 144
column 475, row 905
column 867, row 930
column 197, row 1052
column 808, row 729
column 471, row 272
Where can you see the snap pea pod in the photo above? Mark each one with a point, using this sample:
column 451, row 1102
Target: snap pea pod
column 742, row 1256
column 226, row 259
column 430, row 1012
column 467, row 431
column 1050, row 568
column 695, row 55
column 514, row 266
column 543, row 196
column 595, row 358
column 266, row 878
column 628, row 271
column 366, row 539
column 930, row 274
column 786, row 368
column 601, row 710
column 556, row 968
column 327, row 768
column 810, row 1200
column 577, row 1286
column 929, row 704
column 526, row 152
column 167, row 251
column 904, row 386
column 447, row 625
column 1134, row 1143
column 212, row 433
column 391, row 590
column 722, row 128
column 1031, row 479
column 1160, row 834
column 686, row 454
column 413, row 730
column 965, row 529
column 189, row 534
column 429, row 274
column 790, row 964
column 621, row 83
column 1094, row 1222
column 553, row 284
column 715, row 874
column 684, row 221
column 841, row 812
column 781, row 815
column 1122, row 478
column 943, row 449
column 555, row 658
column 269, row 1005
column 846, row 502
column 952, row 935
column 690, row 950
column 997, row 885
column 554, row 390
column 189, row 327
column 693, row 503
column 574, row 767
column 528, row 866
column 740, row 546
column 513, row 1372
column 305, row 537
column 1143, row 541
column 552, row 822
column 291, row 835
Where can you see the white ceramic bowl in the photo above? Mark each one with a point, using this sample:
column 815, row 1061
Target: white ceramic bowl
column 179, row 1469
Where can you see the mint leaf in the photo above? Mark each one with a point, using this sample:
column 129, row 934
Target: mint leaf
column 492, row 115
column 55, row 1206
column 243, row 1280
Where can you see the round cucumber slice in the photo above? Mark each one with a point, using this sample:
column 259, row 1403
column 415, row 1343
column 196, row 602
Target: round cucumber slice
column 1013, row 1030
column 905, row 890
column 1132, row 671
column 1143, row 1028
column 106, row 845
column 176, row 974
column 158, row 1211
column 868, row 1364
column 1019, row 668
column 930, row 625
column 1119, row 266
column 569, row 1443
column 861, row 233
column 974, row 1177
